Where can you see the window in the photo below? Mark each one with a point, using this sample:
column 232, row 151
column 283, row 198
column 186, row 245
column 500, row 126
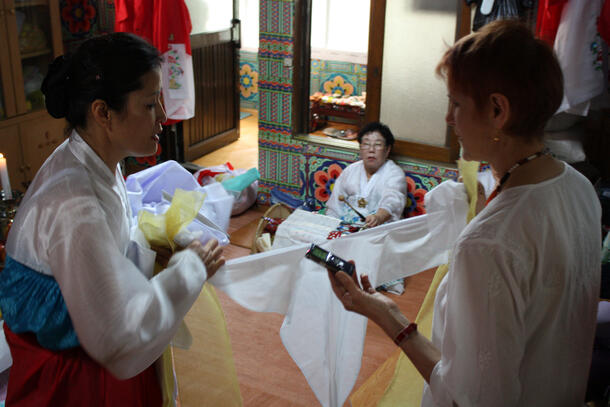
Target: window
column 249, row 15
column 339, row 30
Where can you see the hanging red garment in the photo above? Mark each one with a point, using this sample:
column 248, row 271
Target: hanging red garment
column 549, row 16
column 603, row 24
column 167, row 25
column 128, row 20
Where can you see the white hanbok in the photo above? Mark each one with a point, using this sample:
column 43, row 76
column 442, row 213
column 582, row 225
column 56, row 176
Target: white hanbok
column 74, row 225
column 386, row 189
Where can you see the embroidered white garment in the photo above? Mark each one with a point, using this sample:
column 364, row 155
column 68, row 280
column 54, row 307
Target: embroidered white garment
column 324, row 339
column 386, row 189
column 73, row 224
column 178, row 83
column 514, row 317
column 579, row 49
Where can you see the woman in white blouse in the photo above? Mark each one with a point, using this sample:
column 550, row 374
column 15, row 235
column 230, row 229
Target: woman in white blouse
column 514, row 317
column 84, row 318
column 373, row 186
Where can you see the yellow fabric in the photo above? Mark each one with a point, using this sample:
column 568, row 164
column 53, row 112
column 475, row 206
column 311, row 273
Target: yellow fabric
column 213, row 353
column 161, row 229
column 397, row 382
column 221, row 377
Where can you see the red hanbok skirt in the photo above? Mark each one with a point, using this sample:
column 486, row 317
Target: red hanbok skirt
column 42, row 377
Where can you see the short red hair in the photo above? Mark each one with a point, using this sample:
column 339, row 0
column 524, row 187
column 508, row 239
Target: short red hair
column 505, row 57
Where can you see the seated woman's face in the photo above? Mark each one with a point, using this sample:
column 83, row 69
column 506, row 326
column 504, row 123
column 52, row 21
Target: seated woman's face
column 373, row 151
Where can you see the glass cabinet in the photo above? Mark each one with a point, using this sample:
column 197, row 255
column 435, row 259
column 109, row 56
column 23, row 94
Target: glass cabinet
column 30, row 37
column 33, row 35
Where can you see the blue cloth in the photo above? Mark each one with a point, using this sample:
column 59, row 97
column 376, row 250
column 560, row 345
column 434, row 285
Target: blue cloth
column 32, row 302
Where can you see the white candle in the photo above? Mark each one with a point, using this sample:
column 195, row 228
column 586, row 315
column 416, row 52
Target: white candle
column 6, row 183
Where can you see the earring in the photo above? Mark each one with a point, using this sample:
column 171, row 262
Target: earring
column 496, row 139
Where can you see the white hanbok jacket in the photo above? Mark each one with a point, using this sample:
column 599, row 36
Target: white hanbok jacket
column 74, row 225
column 386, row 189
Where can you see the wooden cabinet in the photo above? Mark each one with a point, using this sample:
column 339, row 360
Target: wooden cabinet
column 26, row 142
column 30, row 38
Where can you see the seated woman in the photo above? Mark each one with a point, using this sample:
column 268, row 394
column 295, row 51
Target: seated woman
column 374, row 187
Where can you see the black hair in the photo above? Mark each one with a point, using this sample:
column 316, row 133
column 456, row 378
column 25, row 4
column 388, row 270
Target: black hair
column 377, row 127
column 107, row 67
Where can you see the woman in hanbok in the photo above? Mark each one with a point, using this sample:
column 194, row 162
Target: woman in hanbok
column 514, row 317
column 83, row 316
column 373, row 188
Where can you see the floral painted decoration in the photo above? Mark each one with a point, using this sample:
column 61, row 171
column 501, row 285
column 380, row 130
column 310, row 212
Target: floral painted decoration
column 248, row 81
column 78, row 15
column 415, row 199
column 338, row 85
column 325, row 181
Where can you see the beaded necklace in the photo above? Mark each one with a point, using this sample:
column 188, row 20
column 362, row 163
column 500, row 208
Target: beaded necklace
column 506, row 176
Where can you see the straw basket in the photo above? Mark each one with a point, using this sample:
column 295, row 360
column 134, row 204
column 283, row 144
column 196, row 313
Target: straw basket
column 277, row 211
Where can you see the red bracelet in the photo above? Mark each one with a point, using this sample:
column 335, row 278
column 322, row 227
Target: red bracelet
column 405, row 333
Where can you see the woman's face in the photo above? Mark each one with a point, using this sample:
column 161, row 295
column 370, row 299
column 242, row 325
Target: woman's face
column 136, row 131
column 373, row 151
column 472, row 127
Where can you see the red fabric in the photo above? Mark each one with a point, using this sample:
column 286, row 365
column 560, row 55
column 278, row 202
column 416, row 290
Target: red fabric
column 41, row 377
column 603, row 24
column 128, row 20
column 161, row 22
column 549, row 17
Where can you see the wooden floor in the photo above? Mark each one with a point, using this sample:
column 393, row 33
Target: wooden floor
column 266, row 373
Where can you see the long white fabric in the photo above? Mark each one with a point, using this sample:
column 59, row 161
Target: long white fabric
column 74, row 224
column 386, row 189
column 324, row 339
column 515, row 315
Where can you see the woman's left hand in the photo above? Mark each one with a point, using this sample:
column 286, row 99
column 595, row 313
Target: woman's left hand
column 364, row 301
column 381, row 216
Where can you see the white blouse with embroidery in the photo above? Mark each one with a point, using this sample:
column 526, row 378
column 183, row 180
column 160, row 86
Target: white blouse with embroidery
column 515, row 315
column 386, row 189
column 73, row 224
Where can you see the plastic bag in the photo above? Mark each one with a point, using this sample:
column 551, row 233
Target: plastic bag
column 241, row 183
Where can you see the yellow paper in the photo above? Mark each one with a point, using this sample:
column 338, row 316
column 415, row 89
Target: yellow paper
column 404, row 386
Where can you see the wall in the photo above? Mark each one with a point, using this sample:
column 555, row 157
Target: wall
column 248, row 79
column 326, row 76
column 296, row 167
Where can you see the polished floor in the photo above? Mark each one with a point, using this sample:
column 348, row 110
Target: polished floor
column 267, row 375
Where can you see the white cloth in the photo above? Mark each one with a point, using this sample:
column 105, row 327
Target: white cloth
column 386, row 189
column 145, row 191
column 324, row 339
column 73, row 224
column 578, row 47
column 514, row 317
column 304, row 227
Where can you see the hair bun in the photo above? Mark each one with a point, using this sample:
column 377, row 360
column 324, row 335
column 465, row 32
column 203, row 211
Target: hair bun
column 55, row 86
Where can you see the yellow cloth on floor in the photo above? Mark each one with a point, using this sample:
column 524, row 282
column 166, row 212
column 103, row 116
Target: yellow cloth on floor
column 220, row 377
column 397, row 381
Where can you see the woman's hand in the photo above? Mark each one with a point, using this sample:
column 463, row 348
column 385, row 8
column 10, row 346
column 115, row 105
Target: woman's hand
column 210, row 254
column 365, row 301
column 377, row 219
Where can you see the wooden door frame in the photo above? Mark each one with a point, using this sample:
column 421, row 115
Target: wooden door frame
column 6, row 76
column 301, row 77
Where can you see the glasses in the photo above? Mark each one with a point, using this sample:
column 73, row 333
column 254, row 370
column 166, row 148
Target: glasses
column 376, row 146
